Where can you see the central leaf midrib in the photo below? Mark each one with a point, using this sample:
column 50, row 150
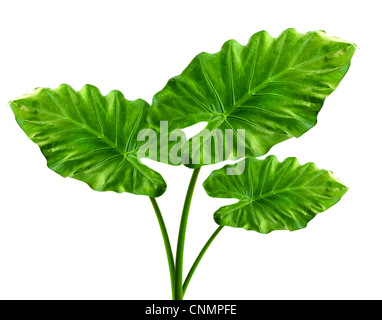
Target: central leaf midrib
column 271, row 193
column 250, row 93
column 106, row 140
column 243, row 99
column 92, row 131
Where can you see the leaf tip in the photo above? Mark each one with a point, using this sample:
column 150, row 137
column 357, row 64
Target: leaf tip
column 160, row 190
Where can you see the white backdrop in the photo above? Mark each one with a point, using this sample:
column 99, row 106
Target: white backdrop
column 61, row 240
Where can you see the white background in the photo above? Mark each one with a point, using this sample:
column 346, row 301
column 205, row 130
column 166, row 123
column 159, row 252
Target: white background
column 61, row 240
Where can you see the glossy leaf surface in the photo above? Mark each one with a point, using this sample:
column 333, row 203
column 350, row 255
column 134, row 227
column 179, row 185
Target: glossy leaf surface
column 273, row 88
column 273, row 195
column 90, row 137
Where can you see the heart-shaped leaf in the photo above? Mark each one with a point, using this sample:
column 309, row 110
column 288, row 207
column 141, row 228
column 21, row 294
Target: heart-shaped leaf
column 91, row 137
column 273, row 195
column 273, row 88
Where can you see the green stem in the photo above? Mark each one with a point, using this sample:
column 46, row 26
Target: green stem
column 167, row 244
column 182, row 236
column 199, row 258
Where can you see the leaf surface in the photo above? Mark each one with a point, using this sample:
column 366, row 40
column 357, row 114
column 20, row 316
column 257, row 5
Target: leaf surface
column 273, row 88
column 90, row 137
column 273, row 195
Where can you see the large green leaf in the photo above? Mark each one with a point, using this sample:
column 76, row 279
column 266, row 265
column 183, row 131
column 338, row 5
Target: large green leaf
column 273, row 195
column 90, row 137
column 272, row 87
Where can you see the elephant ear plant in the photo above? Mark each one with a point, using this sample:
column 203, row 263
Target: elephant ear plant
column 252, row 97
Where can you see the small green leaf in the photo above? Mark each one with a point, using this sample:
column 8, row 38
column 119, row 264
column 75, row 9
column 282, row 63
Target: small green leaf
column 273, row 195
column 90, row 137
column 273, row 88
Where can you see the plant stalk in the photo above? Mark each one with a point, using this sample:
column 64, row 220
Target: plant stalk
column 182, row 236
column 199, row 258
column 167, row 244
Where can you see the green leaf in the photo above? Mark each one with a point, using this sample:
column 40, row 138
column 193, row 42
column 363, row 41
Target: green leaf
column 273, row 195
column 90, row 137
column 272, row 87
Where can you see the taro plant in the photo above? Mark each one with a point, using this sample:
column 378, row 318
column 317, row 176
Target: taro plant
column 252, row 97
